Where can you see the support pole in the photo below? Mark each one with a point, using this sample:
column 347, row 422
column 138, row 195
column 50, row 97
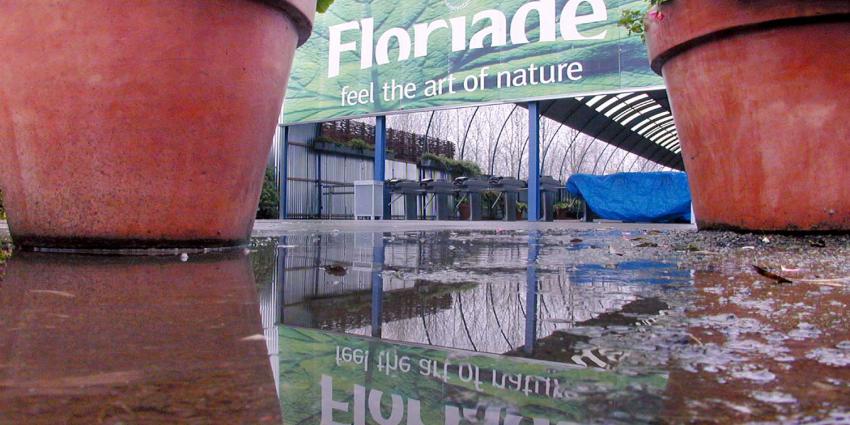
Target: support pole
column 283, row 173
column 280, row 280
column 531, row 292
column 319, row 184
column 380, row 147
column 377, row 285
column 379, row 166
column 533, row 161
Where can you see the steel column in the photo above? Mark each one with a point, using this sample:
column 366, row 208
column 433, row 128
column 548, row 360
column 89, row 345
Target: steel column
column 377, row 267
column 533, row 161
column 380, row 148
column 531, row 292
column 283, row 173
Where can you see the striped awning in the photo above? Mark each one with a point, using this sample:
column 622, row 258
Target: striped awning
column 641, row 123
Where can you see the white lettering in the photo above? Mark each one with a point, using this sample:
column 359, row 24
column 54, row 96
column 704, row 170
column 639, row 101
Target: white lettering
column 545, row 10
column 570, row 21
column 496, row 29
column 327, row 385
column 492, row 27
column 382, row 55
column 421, row 33
column 336, row 46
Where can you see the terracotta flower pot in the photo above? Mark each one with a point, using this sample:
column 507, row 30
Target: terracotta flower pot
column 759, row 90
column 140, row 124
column 464, row 211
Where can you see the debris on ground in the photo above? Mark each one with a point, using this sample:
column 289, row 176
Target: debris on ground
column 770, row 275
column 336, row 270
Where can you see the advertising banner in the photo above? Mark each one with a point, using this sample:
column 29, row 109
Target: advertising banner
column 376, row 57
column 332, row 378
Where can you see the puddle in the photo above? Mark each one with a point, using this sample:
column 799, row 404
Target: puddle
column 499, row 327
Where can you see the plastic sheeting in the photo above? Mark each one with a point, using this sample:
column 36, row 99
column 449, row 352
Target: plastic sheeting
column 635, row 197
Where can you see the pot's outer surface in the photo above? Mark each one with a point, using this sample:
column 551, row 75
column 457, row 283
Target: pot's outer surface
column 760, row 91
column 143, row 125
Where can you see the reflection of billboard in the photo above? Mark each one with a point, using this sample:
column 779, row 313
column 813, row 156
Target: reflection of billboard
column 372, row 57
column 332, row 378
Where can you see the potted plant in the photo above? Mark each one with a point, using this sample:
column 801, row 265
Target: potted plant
column 148, row 123
column 460, row 168
column 360, row 145
column 325, row 143
column 463, row 209
column 566, row 209
column 430, row 160
column 521, row 208
column 759, row 94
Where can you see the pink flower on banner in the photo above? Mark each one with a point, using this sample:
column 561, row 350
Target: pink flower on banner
column 658, row 16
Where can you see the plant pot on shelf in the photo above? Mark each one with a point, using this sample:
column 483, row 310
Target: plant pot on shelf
column 563, row 214
column 521, row 210
column 759, row 94
column 430, row 163
column 464, row 211
column 148, row 125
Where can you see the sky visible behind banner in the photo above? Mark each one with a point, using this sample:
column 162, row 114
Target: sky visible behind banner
column 374, row 57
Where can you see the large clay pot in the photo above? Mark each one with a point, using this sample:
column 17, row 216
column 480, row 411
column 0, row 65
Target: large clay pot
column 140, row 124
column 759, row 91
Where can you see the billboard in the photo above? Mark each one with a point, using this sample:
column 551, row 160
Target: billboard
column 375, row 57
column 332, row 378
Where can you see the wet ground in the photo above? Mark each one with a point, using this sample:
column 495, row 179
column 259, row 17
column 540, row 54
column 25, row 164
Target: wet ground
column 432, row 323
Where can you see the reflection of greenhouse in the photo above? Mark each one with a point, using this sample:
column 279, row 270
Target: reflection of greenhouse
column 473, row 297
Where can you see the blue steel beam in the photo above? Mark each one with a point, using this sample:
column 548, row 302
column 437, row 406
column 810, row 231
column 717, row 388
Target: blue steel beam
column 533, row 161
column 283, row 173
column 380, row 148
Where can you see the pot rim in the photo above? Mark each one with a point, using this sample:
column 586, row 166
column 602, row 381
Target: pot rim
column 687, row 24
column 301, row 12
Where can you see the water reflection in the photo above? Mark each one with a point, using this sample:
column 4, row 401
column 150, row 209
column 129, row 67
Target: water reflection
column 516, row 296
column 90, row 339
column 430, row 297
column 355, row 328
column 333, row 378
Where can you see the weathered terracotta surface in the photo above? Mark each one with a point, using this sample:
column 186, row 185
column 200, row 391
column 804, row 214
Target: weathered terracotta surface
column 87, row 339
column 759, row 91
column 139, row 125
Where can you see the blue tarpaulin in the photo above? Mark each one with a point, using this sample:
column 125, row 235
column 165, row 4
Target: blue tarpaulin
column 635, row 197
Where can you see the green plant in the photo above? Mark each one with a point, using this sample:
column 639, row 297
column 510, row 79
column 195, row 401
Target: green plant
column 428, row 156
column 326, row 139
column 2, row 209
column 521, row 207
column 5, row 253
column 359, row 144
column 323, row 5
column 635, row 20
column 569, row 206
column 453, row 166
column 494, row 205
column 269, row 199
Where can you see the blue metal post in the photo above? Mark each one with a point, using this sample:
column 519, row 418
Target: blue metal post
column 283, row 173
column 531, row 292
column 319, row 184
column 377, row 285
column 380, row 147
column 533, row 161
column 280, row 278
